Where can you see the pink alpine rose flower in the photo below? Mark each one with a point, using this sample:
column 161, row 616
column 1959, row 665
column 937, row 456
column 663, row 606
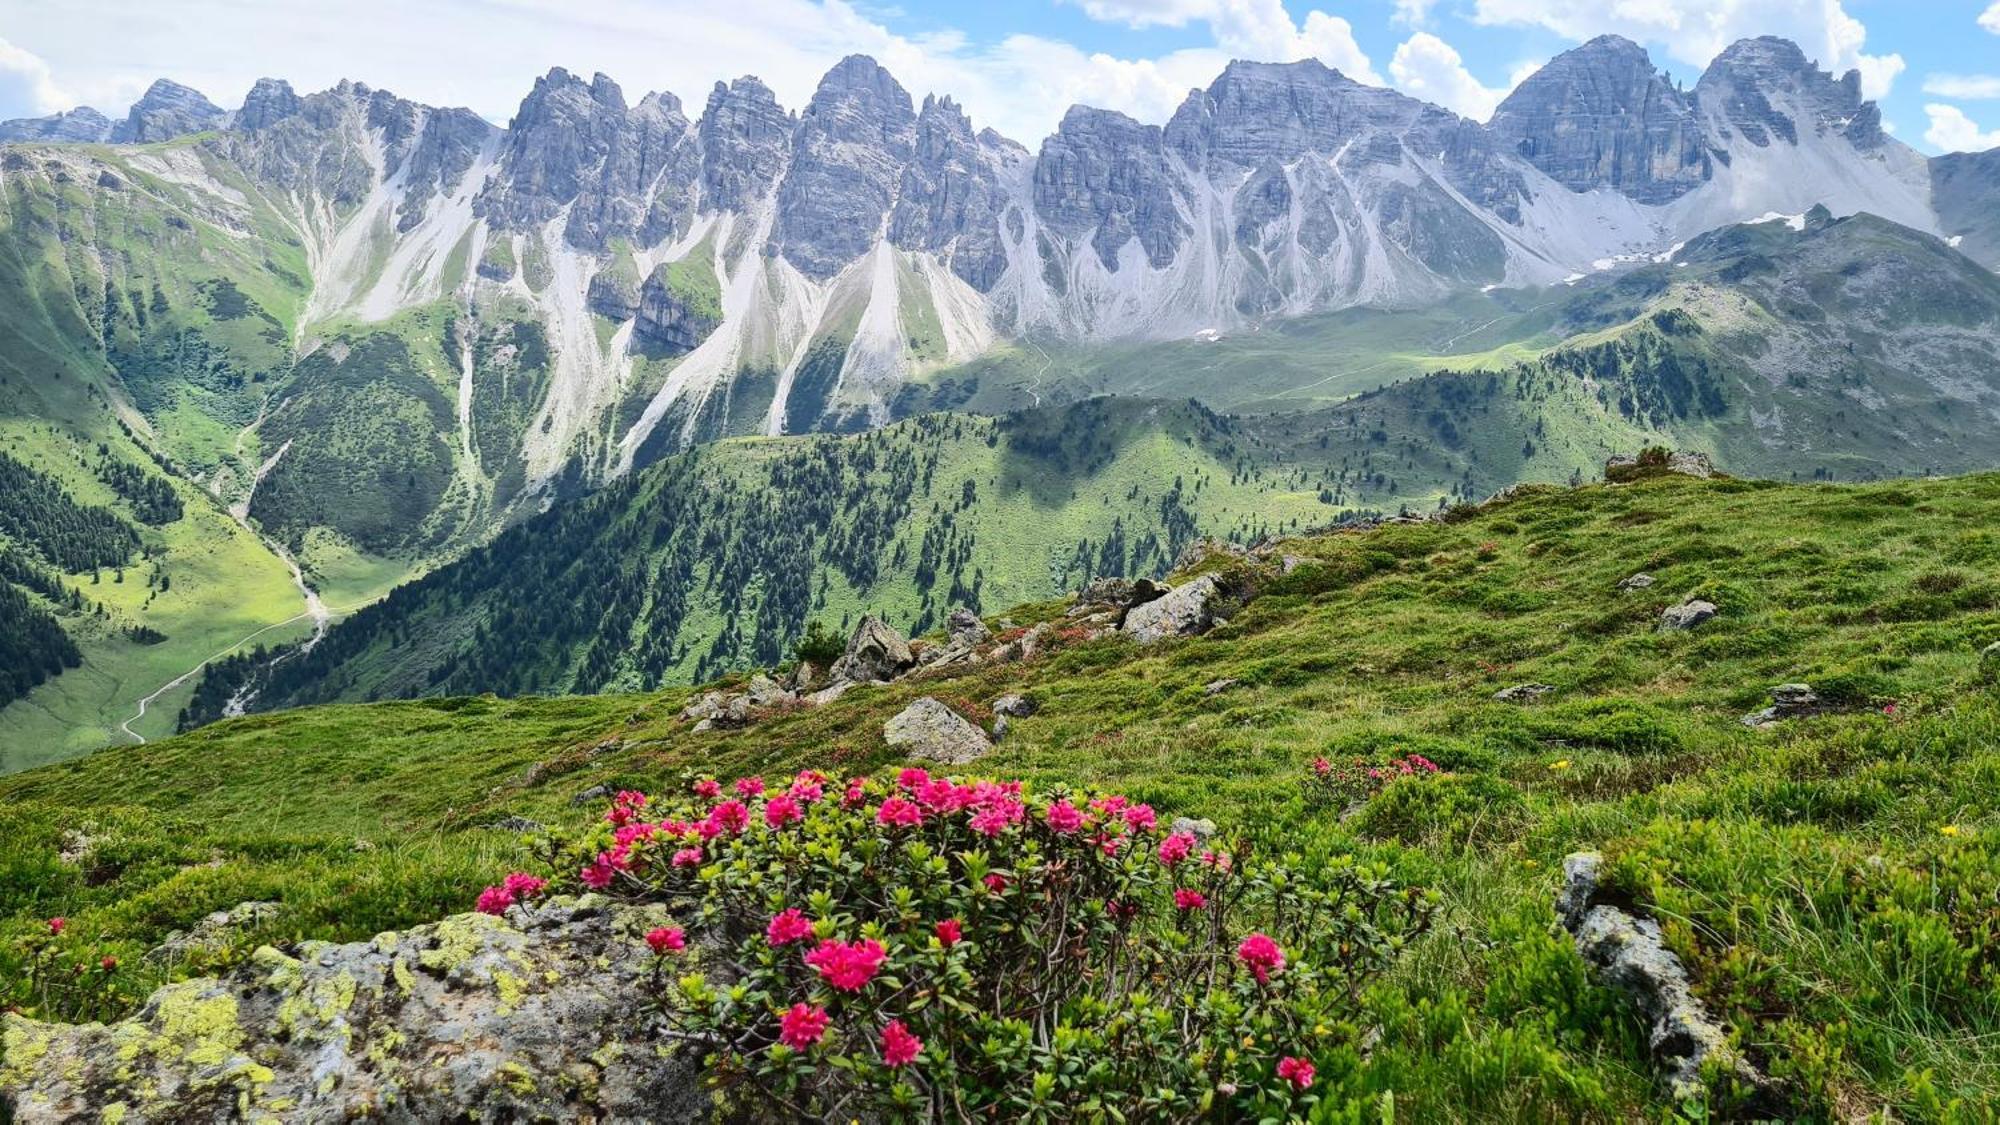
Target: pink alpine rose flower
column 787, row 927
column 708, row 788
column 950, row 932
column 848, row 966
column 780, row 811
column 912, row 777
column 58, row 925
column 731, row 816
column 667, row 939
column 1141, row 818
column 1176, row 848
column 897, row 811
column 598, row 875
column 857, row 792
column 1262, row 956
column 899, row 1047
column 1297, row 1070
column 688, row 857
column 747, row 787
column 802, row 1026
column 1190, row 900
column 1064, row 818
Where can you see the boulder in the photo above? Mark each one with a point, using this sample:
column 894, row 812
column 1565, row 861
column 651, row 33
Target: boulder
column 767, row 692
column 1217, row 687
column 214, row 933
column 876, row 653
column 1637, row 582
column 965, row 630
column 1183, row 611
column 1788, row 701
column 1200, row 829
column 1688, row 615
column 930, row 730
column 594, row 793
column 1522, row 693
column 518, row 824
column 538, row 1015
column 1015, row 706
column 1627, row 953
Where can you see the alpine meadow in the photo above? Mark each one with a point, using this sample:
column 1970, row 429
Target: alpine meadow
column 1311, row 597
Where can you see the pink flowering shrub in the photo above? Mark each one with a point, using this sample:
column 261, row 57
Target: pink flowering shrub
column 931, row 947
column 1341, row 785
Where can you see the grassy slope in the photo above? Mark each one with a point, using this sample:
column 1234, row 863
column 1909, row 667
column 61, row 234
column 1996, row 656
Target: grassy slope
column 58, row 401
column 1803, row 872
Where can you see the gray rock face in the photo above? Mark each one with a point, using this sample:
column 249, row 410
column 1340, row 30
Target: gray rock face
column 1736, row 91
column 1627, row 953
column 951, row 197
column 930, row 730
column 1687, row 615
column 82, row 124
column 167, row 110
column 1965, row 189
column 270, row 101
column 1184, row 611
column 669, row 319
column 1603, row 116
column 577, row 145
column 535, row 1016
column 745, row 139
column 852, row 144
column 1103, row 177
column 875, row 653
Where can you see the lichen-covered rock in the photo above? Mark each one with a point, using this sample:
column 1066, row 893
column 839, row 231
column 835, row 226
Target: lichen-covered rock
column 1637, row 582
column 1687, row 615
column 934, row 732
column 539, row 1015
column 1627, row 953
column 1184, row 611
column 1788, row 701
column 1522, row 693
column 964, row 629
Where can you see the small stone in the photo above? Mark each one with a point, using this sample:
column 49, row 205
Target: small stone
column 1015, row 706
column 930, row 730
column 518, row 824
column 1200, row 829
column 1522, row 693
column 1687, row 615
column 1217, row 687
column 1637, row 582
column 1788, row 701
column 594, row 793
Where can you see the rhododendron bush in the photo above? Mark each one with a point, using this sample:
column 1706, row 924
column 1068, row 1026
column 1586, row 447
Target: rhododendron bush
column 932, row 947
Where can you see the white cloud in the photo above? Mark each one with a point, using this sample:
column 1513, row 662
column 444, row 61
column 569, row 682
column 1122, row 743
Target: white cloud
column 1250, row 29
column 1429, row 68
column 26, row 86
column 1952, row 131
column 1990, row 18
column 1414, row 13
column 1695, row 31
column 1975, row 87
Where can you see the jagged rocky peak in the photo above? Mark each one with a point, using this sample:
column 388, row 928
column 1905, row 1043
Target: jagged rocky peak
column 746, row 139
column 270, row 101
column 1602, row 115
column 951, row 196
column 852, row 144
column 168, row 110
column 575, row 144
column 1254, row 111
column 1766, row 90
column 1104, row 177
column 82, row 124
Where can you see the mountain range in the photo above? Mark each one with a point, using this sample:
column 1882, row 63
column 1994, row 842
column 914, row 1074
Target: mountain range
column 357, row 336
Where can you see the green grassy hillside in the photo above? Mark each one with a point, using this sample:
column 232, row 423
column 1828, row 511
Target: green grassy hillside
column 1830, row 882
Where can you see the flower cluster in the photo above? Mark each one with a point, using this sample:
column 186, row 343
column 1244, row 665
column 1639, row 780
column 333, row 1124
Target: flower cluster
column 929, row 946
column 518, row 887
column 1341, row 785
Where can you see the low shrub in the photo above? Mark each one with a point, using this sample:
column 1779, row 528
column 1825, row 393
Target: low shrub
column 932, row 948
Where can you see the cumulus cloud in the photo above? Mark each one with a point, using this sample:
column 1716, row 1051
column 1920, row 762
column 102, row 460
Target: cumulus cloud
column 1429, row 68
column 1952, row 131
column 1414, row 13
column 1695, row 31
column 26, row 86
column 1990, row 18
column 1973, row 87
column 1253, row 29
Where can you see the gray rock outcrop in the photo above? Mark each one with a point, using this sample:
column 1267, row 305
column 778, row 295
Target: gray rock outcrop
column 82, row 124
column 929, row 730
column 167, row 110
column 1602, row 115
column 848, row 156
column 1522, row 693
column 1184, row 611
column 540, row 1015
column 876, row 653
column 1627, row 953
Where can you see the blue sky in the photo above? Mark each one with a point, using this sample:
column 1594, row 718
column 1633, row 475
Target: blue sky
column 1934, row 64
